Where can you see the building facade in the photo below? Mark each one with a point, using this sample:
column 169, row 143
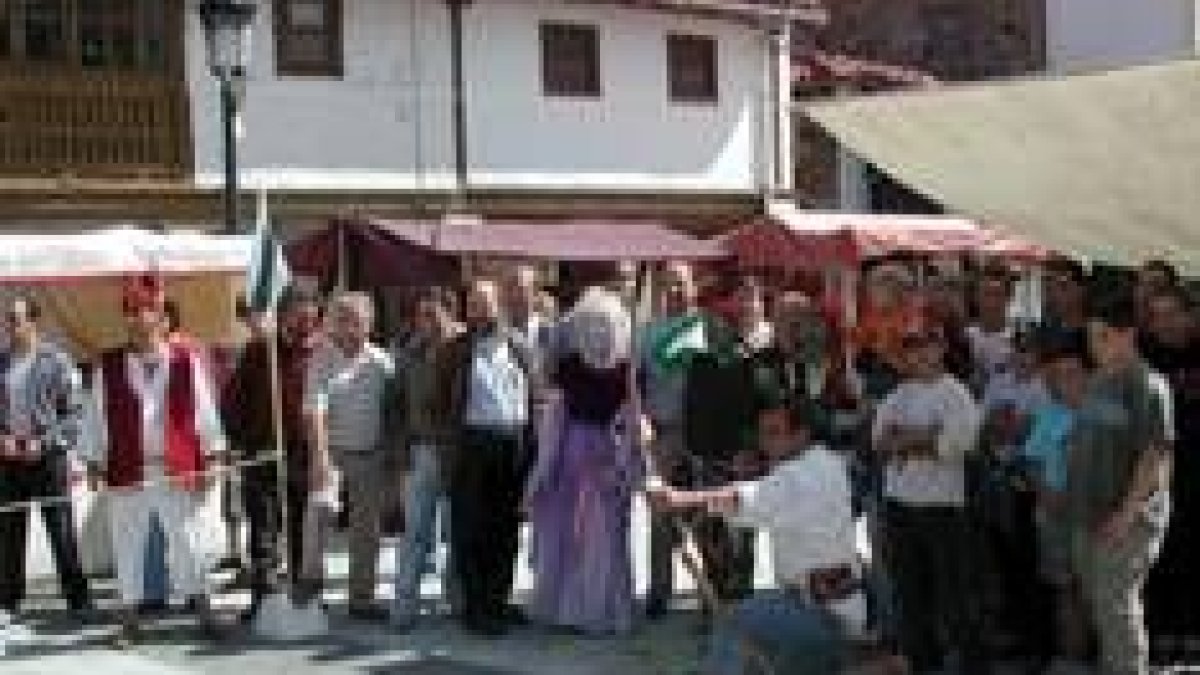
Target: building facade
column 1084, row 35
column 108, row 112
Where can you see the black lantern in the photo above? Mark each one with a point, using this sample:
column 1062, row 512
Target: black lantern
column 227, row 25
column 227, row 35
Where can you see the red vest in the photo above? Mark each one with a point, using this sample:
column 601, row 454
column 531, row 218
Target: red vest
column 184, row 456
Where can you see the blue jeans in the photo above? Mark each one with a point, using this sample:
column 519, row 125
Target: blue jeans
column 793, row 636
column 157, row 584
column 423, row 491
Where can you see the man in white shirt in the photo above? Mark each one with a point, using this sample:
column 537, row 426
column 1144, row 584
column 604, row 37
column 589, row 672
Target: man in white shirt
column 349, row 383
column 804, row 503
column 925, row 431
column 158, row 438
column 485, row 397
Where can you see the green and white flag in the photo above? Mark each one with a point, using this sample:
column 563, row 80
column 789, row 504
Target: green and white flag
column 674, row 344
column 268, row 276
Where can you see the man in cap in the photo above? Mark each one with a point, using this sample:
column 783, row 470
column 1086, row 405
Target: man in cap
column 157, row 437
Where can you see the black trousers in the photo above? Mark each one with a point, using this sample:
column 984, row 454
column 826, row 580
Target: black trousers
column 929, row 553
column 1027, row 610
column 260, row 492
column 486, row 487
column 21, row 482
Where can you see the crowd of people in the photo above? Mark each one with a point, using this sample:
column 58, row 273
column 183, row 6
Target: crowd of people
column 942, row 485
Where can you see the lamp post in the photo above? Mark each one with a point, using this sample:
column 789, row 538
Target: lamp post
column 227, row 36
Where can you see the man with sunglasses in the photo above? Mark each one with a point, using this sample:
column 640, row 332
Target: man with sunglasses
column 924, row 432
column 39, row 431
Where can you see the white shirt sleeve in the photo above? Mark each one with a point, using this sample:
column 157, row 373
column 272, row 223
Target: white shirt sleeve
column 961, row 423
column 817, row 488
column 1160, row 387
column 208, row 416
column 93, row 444
column 759, row 502
column 883, row 419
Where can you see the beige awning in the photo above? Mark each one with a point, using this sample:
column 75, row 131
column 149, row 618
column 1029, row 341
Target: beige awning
column 1105, row 166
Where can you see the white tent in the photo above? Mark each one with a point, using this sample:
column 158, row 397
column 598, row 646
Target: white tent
column 77, row 279
column 1101, row 165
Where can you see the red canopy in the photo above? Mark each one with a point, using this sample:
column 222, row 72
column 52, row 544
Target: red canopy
column 816, row 240
column 613, row 239
column 396, row 252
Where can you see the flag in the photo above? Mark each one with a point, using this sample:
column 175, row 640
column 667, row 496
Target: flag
column 674, row 344
column 268, row 276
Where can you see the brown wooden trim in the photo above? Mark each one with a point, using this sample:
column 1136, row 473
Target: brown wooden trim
column 179, row 203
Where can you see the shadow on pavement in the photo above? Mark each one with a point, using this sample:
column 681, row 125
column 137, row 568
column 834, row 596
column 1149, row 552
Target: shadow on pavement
column 434, row 666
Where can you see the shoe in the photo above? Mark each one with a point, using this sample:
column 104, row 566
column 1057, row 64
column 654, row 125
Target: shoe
column 486, row 627
column 248, row 615
column 369, row 614
column 656, row 608
column 402, row 623
column 152, row 608
column 126, row 637
column 514, row 616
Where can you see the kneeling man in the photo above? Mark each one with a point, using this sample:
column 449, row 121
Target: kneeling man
column 804, row 503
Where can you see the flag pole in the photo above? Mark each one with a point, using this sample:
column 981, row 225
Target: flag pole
column 278, row 616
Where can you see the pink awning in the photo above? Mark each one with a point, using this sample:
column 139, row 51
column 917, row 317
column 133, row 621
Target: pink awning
column 594, row 239
column 816, row 240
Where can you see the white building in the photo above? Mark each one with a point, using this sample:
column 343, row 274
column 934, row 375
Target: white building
column 351, row 104
column 1083, row 35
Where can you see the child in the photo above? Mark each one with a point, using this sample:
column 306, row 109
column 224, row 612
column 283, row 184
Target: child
column 804, row 502
column 1066, row 372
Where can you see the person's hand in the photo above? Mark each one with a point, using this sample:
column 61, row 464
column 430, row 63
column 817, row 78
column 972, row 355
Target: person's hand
column 1053, row 501
column 320, row 476
column 745, row 465
column 661, row 497
column 723, row 503
column 645, row 430
column 1113, row 529
column 95, row 478
column 8, row 447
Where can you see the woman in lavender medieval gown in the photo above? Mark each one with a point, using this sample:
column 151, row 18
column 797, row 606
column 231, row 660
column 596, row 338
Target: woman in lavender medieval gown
column 580, row 492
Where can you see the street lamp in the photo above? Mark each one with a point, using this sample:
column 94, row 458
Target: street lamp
column 227, row 36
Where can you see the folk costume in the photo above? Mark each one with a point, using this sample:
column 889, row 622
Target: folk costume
column 156, row 428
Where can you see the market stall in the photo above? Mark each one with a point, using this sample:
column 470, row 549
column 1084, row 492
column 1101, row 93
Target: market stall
column 372, row 252
column 820, row 240
column 77, row 279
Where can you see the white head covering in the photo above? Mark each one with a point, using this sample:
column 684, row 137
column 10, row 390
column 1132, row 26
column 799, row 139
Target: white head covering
column 599, row 329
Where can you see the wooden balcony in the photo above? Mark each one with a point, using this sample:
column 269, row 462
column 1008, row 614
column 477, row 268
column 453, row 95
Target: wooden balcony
column 105, row 124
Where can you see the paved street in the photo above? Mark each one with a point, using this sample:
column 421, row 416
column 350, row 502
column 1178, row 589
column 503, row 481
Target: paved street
column 438, row 647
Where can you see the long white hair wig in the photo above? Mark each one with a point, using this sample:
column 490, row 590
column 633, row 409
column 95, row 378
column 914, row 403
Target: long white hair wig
column 599, row 329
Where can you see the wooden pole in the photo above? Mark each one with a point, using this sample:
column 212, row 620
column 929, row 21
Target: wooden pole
column 284, row 540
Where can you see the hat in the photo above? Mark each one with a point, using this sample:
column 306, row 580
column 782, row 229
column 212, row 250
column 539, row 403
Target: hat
column 143, row 292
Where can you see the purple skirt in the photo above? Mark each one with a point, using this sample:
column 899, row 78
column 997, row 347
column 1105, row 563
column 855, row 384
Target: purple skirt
column 580, row 516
